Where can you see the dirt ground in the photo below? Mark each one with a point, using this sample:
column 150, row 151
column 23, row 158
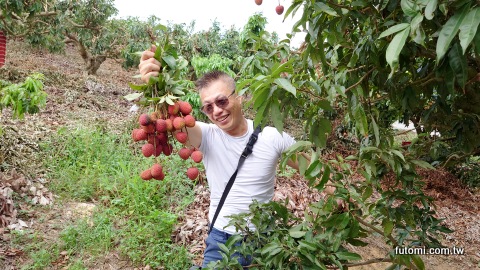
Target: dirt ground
column 74, row 98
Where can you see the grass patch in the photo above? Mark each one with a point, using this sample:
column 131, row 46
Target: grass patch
column 133, row 217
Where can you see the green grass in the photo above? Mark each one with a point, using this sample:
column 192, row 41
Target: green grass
column 132, row 216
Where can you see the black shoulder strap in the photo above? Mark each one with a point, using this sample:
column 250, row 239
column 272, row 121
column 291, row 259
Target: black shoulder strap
column 247, row 151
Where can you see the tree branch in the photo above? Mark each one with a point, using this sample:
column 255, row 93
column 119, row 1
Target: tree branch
column 359, row 81
column 372, row 261
column 363, row 222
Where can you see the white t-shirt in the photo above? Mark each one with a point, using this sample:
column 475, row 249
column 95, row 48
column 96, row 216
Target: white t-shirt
column 255, row 179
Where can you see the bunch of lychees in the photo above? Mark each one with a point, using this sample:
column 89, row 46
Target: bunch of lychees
column 158, row 129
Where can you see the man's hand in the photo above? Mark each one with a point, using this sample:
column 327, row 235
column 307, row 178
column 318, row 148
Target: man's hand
column 149, row 66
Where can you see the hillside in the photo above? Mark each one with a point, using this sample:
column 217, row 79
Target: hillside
column 77, row 100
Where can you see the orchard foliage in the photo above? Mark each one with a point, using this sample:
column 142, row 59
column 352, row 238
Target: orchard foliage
column 367, row 63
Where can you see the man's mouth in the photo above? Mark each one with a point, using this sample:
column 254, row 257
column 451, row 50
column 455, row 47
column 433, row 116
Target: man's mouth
column 222, row 118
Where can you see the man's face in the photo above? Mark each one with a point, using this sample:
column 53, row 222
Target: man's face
column 213, row 98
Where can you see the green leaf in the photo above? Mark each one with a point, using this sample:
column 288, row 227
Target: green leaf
column 169, row 101
column 141, row 87
column 418, row 262
column 299, row 146
column 232, row 240
column 325, row 105
column 307, row 245
column 416, row 23
column 314, row 169
column 302, row 164
column 297, row 234
column 285, row 84
column 348, row 256
column 409, row 7
column 178, row 92
column 430, row 9
column 133, row 96
column 398, row 154
column 387, row 227
column 160, row 27
column 361, row 121
column 319, row 132
column 342, row 221
column 223, row 248
column 394, row 29
column 323, row 7
column 357, row 243
column 170, row 60
column 271, row 249
column 325, row 178
column 422, row 164
column 448, row 32
column 458, row 63
column 394, row 49
column 277, row 116
column 376, row 132
column 315, row 86
column 469, row 27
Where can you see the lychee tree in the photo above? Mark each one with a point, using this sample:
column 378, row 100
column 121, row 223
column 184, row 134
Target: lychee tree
column 366, row 63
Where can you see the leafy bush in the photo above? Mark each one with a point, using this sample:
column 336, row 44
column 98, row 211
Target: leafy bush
column 26, row 97
column 469, row 172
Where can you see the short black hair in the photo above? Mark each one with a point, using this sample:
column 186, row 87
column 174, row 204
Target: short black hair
column 213, row 76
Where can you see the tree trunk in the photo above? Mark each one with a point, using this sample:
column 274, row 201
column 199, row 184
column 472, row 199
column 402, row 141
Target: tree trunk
column 93, row 64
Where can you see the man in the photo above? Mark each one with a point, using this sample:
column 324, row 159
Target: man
column 222, row 143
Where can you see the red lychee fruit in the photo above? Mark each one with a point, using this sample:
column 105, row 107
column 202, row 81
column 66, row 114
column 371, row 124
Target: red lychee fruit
column 160, row 177
column 167, row 149
column 178, row 123
column 140, row 135
column 185, row 107
column 192, row 173
column 160, row 125
column 152, row 139
column 158, row 150
column 182, row 137
column 258, row 2
column 197, row 156
column 134, row 134
column 144, row 119
column 146, row 175
column 184, row 153
column 169, row 124
column 148, row 149
column 162, row 137
column 150, row 128
column 189, row 121
column 173, row 109
column 279, row 9
column 156, row 171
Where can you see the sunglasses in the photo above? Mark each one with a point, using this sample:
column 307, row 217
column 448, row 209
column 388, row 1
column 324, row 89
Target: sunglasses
column 221, row 102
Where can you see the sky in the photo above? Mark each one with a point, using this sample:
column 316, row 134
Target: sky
column 204, row 12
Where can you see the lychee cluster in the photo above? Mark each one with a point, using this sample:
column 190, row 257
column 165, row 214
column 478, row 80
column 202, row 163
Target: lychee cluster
column 159, row 128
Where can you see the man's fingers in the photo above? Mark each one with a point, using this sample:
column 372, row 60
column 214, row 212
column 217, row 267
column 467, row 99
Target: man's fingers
column 147, row 76
column 147, row 55
column 149, row 65
column 153, row 48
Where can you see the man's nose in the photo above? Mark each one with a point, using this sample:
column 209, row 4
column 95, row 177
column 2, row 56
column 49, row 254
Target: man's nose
column 216, row 109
